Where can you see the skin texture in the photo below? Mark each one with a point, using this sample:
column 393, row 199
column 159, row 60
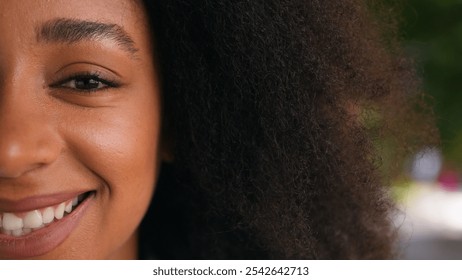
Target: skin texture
column 56, row 138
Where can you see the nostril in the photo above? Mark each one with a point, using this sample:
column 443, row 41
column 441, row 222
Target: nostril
column 15, row 172
column 15, row 169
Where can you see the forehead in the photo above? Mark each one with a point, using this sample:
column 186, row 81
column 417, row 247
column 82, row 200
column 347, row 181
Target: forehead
column 22, row 17
column 113, row 9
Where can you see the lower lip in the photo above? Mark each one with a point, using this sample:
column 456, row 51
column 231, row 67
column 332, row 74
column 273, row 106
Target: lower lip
column 45, row 239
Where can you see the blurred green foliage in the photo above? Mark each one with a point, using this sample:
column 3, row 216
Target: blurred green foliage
column 433, row 35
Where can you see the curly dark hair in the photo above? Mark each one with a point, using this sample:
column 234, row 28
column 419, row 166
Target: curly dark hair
column 275, row 110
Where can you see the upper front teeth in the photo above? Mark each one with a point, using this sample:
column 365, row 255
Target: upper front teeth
column 33, row 219
column 24, row 223
column 48, row 215
column 59, row 211
column 11, row 222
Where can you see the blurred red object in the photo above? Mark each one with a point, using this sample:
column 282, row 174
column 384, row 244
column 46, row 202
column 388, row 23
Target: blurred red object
column 449, row 179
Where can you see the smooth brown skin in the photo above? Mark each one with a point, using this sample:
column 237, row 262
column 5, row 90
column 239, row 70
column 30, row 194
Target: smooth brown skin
column 55, row 138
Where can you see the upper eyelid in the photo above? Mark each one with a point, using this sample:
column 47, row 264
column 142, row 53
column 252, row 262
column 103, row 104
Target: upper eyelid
column 97, row 76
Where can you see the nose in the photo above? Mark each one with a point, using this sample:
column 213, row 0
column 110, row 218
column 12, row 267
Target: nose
column 27, row 140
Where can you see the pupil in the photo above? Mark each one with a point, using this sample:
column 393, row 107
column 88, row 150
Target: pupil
column 86, row 84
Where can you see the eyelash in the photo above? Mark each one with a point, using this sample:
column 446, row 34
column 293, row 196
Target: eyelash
column 87, row 76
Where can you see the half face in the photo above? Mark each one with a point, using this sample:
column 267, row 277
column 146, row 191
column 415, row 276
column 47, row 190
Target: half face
column 79, row 128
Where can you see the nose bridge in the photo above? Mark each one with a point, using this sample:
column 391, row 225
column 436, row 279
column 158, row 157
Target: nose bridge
column 27, row 139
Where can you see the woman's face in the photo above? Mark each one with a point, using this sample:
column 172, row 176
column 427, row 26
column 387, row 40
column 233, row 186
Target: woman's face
column 79, row 123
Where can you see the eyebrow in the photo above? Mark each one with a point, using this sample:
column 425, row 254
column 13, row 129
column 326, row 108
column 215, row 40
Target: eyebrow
column 74, row 31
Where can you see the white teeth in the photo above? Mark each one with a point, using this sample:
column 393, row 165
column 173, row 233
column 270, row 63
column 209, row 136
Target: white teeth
column 33, row 219
column 17, row 232
column 48, row 215
column 11, row 222
column 68, row 208
column 59, row 211
column 39, row 227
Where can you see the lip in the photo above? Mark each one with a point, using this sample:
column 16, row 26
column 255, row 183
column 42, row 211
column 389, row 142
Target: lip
column 36, row 202
column 45, row 239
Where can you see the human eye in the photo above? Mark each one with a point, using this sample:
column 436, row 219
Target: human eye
column 85, row 82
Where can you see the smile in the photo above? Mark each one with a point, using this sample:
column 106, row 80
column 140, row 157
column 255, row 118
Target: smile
column 19, row 224
column 27, row 232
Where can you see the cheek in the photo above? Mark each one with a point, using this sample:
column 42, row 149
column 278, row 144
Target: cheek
column 118, row 146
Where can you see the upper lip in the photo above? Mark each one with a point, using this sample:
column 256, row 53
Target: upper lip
column 36, row 202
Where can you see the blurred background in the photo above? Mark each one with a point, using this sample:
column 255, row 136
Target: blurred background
column 430, row 204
